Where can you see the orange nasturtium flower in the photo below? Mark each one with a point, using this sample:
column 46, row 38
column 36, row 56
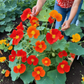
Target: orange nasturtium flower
column 20, row 68
column 26, row 14
column 10, row 48
column 20, row 26
column 2, row 59
column 34, row 21
column 7, row 73
column 76, row 38
column 63, row 67
column 17, row 36
column 32, row 31
column 56, row 15
column 53, row 13
column 40, row 46
column 38, row 72
column 46, row 61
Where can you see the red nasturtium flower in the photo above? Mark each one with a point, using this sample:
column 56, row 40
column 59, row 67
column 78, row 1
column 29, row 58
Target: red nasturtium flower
column 63, row 67
column 32, row 31
column 34, row 21
column 61, row 37
column 20, row 68
column 26, row 14
column 46, row 61
column 32, row 59
column 40, row 46
column 20, row 26
column 12, row 56
column 17, row 35
column 38, row 72
column 7, row 73
column 53, row 36
column 22, row 54
column 51, row 20
column 72, row 55
column 62, row 53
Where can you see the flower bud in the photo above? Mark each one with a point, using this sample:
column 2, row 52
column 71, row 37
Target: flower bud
column 53, row 54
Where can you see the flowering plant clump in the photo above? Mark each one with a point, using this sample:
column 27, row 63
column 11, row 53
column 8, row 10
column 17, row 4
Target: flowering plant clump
column 40, row 53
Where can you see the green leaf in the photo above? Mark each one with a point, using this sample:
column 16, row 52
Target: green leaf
column 40, row 28
column 44, row 15
column 58, row 59
column 57, row 77
column 82, row 82
column 2, row 16
column 18, row 47
column 40, row 38
column 2, row 46
column 14, row 75
column 45, row 80
column 40, row 59
column 72, row 30
column 12, row 64
column 60, row 44
column 11, row 42
column 76, row 49
column 53, row 61
column 27, row 75
column 48, row 46
column 46, row 68
column 2, row 29
column 2, row 22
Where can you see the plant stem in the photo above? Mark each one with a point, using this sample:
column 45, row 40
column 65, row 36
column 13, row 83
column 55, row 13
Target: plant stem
column 52, row 25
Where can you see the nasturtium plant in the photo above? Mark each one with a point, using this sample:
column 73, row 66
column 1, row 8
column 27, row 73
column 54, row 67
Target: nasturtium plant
column 39, row 53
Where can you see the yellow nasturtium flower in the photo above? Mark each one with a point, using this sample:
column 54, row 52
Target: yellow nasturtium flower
column 76, row 38
column 7, row 44
column 3, row 41
column 2, row 59
column 10, row 48
column 83, row 78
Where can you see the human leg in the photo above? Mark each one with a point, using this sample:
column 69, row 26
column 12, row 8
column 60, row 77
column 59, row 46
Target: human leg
column 62, row 11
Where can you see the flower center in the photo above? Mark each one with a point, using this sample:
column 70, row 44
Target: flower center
column 40, row 46
column 32, row 60
column 53, row 36
column 12, row 57
column 46, row 61
column 18, row 66
column 62, row 66
column 18, row 58
column 38, row 72
column 28, row 15
column 34, row 21
column 17, row 37
column 33, row 32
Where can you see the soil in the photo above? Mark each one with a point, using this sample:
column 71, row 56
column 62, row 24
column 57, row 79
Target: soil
column 73, row 76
